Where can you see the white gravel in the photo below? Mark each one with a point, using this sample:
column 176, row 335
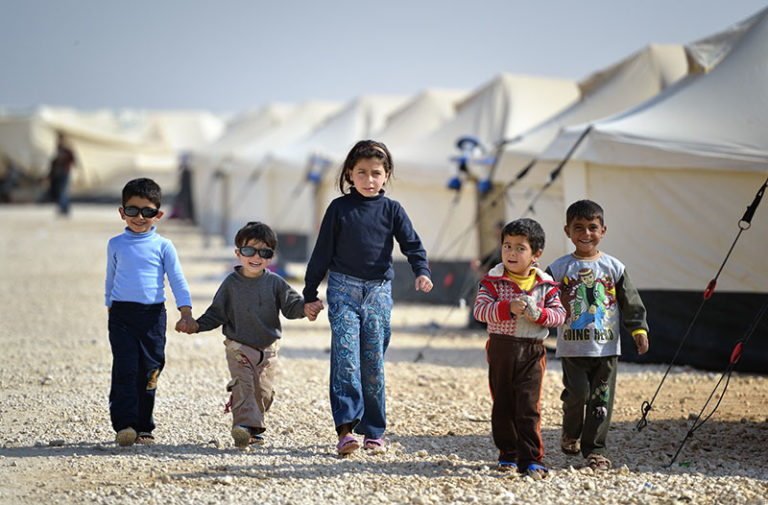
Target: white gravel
column 57, row 446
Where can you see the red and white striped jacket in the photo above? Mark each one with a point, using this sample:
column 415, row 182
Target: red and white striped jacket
column 495, row 292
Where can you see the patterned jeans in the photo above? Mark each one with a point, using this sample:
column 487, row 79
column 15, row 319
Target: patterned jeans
column 359, row 312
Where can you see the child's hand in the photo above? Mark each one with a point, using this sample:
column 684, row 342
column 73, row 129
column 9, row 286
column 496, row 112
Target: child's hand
column 517, row 306
column 532, row 310
column 187, row 323
column 312, row 309
column 641, row 341
column 423, row 283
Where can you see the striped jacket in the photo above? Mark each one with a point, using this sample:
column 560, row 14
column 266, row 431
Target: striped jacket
column 492, row 305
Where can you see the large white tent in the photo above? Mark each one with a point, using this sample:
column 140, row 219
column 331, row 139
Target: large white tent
column 110, row 146
column 212, row 162
column 619, row 87
column 448, row 220
column 288, row 203
column 675, row 176
column 502, row 107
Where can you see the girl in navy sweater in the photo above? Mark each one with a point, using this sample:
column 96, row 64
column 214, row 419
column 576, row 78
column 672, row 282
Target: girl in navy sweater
column 354, row 246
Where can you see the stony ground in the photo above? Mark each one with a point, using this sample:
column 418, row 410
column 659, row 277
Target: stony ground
column 56, row 444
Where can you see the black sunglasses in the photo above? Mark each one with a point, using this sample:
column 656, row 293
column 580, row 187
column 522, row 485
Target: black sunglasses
column 249, row 251
column 133, row 211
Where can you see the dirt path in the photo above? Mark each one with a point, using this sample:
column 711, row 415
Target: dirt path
column 56, row 444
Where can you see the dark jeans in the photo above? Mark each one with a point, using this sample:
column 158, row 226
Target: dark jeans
column 137, row 338
column 590, row 386
column 60, row 192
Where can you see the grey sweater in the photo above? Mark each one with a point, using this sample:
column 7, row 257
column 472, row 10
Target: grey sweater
column 249, row 309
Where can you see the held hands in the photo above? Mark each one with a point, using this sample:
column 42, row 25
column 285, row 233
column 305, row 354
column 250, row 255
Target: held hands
column 312, row 309
column 423, row 283
column 187, row 323
column 641, row 342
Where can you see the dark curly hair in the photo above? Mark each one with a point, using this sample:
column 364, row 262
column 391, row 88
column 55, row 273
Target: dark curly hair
column 528, row 228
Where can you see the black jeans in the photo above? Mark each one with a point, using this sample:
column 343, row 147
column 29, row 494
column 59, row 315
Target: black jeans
column 137, row 338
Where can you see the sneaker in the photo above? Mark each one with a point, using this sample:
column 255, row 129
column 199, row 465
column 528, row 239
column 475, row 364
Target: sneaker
column 242, row 436
column 126, row 437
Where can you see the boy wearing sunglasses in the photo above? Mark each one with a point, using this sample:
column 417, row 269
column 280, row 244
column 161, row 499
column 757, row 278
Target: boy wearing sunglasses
column 138, row 260
column 248, row 305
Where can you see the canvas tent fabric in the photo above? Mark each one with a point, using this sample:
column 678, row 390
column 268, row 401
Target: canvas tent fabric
column 447, row 220
column 675, row 175
column 211, row 164
column 503, row 106
column 292, row 205
column 606, row 92
column 110, row 145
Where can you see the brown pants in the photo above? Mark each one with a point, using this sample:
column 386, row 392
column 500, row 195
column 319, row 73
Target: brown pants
column 515, row 372
column 253, row 372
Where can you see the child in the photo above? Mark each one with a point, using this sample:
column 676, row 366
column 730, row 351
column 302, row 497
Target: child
column 519, row 303
column 137, row 262
column 598, row 297
column 248, row 305
column 354, row 246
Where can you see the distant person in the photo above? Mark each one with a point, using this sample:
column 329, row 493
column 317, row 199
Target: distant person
column 248, row 305
column 10, row 179
column 519, row 303
column 183, row 207
column 599, row 298
column 59, row 174
column 138, row 260
column 354, row 247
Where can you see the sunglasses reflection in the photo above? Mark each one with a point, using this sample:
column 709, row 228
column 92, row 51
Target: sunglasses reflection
column 249, row 251
column 133, row 211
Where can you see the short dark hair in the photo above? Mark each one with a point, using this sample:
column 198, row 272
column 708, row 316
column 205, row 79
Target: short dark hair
column 365, row 149
column 143, row 188
column 586, row 209
column 528, row 228
column 256, row 230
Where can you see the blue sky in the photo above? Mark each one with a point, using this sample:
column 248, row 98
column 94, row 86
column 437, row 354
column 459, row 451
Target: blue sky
column 228, row 56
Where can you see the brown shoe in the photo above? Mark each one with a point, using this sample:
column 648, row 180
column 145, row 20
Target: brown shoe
column 126, row 437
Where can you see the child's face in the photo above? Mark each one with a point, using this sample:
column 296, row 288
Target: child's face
column 368, row 176
column 585, row 235
column 517, row 255
column 254, row 266
column 139, row 223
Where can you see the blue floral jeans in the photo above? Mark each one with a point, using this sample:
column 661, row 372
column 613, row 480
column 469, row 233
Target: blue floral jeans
column 359, row 312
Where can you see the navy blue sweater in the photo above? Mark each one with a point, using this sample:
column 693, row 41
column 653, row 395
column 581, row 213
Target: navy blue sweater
column 356, row 238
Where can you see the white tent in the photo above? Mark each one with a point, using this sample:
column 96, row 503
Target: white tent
column 290, row 205
column 211, row 163
column 110, row 146
column 619, row 87
column 505, row 106
column 675, row 175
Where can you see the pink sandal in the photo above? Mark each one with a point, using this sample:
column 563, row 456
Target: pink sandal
column 347, row 445
column 375, row 445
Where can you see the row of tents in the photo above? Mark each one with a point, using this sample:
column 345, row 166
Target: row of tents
column 672, row 141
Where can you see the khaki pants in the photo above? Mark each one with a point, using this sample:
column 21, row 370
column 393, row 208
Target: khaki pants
column 253, row 373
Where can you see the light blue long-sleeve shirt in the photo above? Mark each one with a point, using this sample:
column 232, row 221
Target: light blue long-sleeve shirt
column 137, row 264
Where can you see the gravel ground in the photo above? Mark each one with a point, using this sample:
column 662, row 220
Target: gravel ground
column 56, row 444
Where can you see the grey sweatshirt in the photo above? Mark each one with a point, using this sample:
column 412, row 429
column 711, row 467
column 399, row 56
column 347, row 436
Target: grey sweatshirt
column 249, row 309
